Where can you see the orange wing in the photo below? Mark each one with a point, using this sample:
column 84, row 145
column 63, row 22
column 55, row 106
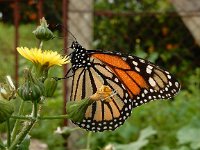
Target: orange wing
column 143, row 80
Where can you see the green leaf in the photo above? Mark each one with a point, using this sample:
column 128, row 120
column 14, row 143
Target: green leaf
column 147, row 132
column 25, row 144
column 132, row 146
column 189, row 135
column 141, row 142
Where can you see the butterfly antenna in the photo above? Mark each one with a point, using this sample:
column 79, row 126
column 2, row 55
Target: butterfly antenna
column 72, row 35
column 66, row 30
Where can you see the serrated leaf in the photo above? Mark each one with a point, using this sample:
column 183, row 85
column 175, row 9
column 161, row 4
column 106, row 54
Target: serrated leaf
column 189, row 135
column 141, row 142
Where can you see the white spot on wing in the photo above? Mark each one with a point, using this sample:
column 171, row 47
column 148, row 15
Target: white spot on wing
column 135, row 63
column 166, row 72
column 124, row 58
column 148, row 70
column 145, row 91
column 169, row 77
column 137, row 69
column 150, row 67
column 131, row 57
column 152, row 82
column 176, row 84
column 141, row 60
column 116, row 80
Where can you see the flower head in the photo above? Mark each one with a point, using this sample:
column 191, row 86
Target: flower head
column 42, row 32
column 47, row 58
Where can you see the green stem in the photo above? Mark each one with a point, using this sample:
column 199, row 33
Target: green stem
column 27, row 128
column 20, row 137
column 8, row 132
column 88, row 140
column 17, row 123
column 41, row 44
column 53, row 117
column 21, row 117
column 35, row 109
column 40, row 118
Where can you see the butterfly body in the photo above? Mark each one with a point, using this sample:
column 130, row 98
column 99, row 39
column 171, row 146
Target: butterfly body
column 79, row 57
column 133, row 80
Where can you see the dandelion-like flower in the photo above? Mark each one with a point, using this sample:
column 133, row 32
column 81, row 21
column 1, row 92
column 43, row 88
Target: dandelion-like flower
column 47, row 58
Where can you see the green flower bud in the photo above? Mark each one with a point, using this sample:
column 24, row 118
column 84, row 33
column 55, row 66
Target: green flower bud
column 6, row 110
column 42, row 32
column 8, row 90
column 76, row 109
column 40, row 72
column 32, row 89
column 65, row 131
column 50, row 85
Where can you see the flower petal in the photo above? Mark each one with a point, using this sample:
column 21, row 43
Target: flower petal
column 43, row 57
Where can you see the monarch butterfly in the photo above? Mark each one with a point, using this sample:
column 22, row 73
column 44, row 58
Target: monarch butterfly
column 133, row 80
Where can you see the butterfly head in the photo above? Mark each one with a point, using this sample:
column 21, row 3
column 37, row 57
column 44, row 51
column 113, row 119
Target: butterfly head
column 79, row 57
column 75, row 45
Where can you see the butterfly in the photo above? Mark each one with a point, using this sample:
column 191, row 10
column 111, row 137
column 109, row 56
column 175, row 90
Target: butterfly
column 130, row 81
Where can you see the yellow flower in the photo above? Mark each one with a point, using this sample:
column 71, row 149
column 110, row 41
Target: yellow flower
column 43, row 57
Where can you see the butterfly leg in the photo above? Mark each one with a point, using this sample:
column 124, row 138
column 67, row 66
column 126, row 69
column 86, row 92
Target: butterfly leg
column 65, row 77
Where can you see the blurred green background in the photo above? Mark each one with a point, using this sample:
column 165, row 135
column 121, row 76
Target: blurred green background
column 150, row 29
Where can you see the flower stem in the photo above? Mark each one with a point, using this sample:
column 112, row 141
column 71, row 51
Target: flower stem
column 41, row 44
column 35, row 109
column 53, row 117
column 40, row 118
column 17, row 123
column 27, row 128
column 8, row 132
column 21, row 117
column 88, row 140
column 20, row 137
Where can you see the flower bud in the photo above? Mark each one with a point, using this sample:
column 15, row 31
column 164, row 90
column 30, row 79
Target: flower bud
column 8, row 90
column 50, row 85
column 42, row 32
column 32, row 89
column 76, row 109
column 40, row 72
column 65, row 131
column 6, row 110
